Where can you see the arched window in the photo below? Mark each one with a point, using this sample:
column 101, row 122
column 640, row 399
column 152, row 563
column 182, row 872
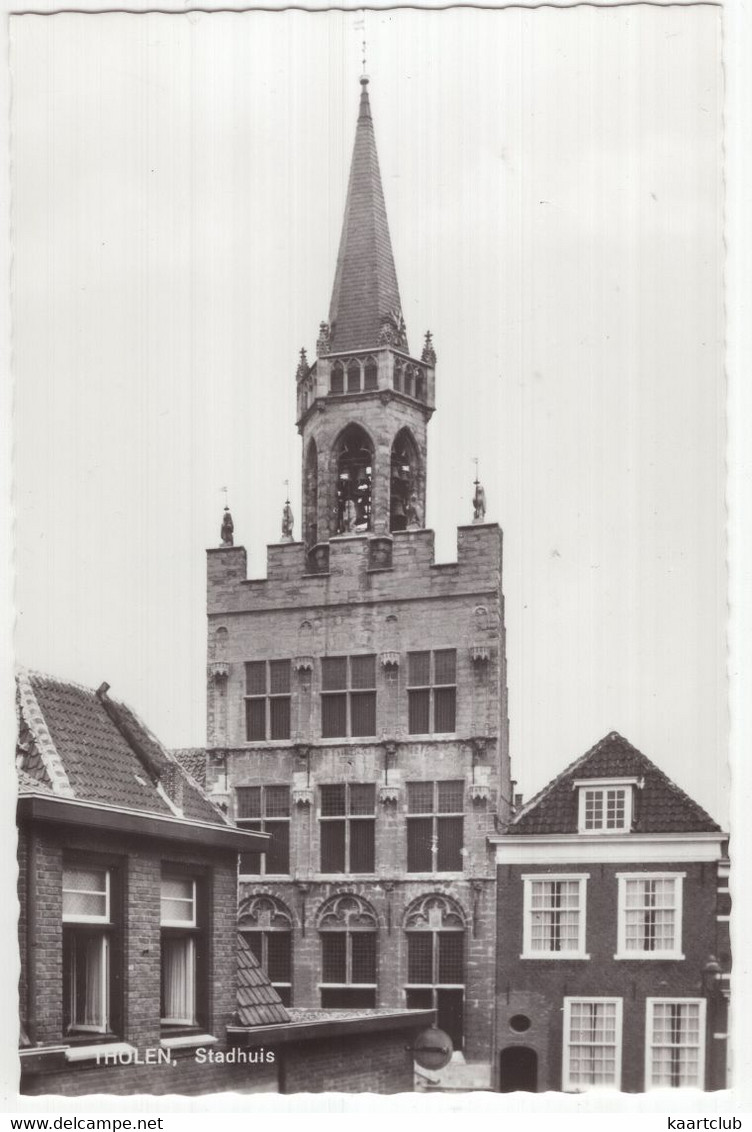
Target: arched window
column 420, row 385
column 371, row 374
column 397, row 379
column 435, row 929
column 408, row 380
column 266, row 925
column 403, row 479
column 353, row 376
column 311, row 494
column 337, row 378
column 348, row 929
column 354, row 479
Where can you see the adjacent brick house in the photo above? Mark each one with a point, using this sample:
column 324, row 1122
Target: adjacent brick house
column 133, row 978
column 613, row 949
column 357, row 702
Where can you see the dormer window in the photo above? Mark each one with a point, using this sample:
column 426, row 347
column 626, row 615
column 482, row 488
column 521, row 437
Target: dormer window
column 605, row 804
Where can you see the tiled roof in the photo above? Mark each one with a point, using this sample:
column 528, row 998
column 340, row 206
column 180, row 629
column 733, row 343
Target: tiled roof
column 95, row 749
column 193, row 761
column 258, row 1002
column 365, row 288
column 660, row 806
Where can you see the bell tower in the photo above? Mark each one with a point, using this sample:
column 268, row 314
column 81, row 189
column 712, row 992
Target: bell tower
column 365, row 402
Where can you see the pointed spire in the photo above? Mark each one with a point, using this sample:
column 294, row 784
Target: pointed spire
column 365, row 310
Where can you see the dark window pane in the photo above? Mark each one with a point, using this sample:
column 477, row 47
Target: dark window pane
column 333, row 673
column 332, row 846
column 363, row 708
column 285, row 993
column 419, row 856
column 362, row 798
column 451, row 797
column 419, row 668
column 279, row 677
column 353, row 377
column 418, row 709
column 444, row 705
column 397, row 379
column 362, row 845
column 255, row 941
column 248, row 799
column 363, row 671
column 337, row 383
column 450, row 1011
column 255, row 678
column 419, row 999
column 333, row 800
column 371, row 375
column 449, row 857
column 279, row 717
column 348, row 998
column 277, row 799
column 334, row 716
column 420, row 797
column 451, row 965
column 333, row 961
column 255, row 719
column 363, row 964
column 408, row 380
column 250, row 862
column 445, row 666
column 278, row 849
column 420, row 387
column 420, row 957
column 279, row 956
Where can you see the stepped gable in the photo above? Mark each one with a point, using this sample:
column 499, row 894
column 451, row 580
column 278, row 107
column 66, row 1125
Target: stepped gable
column 661, row 806
column 96, row 749
column 258, row 1002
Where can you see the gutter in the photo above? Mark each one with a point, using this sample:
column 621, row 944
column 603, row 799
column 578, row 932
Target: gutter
column 118, row 819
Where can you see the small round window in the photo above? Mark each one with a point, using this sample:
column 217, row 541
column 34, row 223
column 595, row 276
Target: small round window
column 519, row 1023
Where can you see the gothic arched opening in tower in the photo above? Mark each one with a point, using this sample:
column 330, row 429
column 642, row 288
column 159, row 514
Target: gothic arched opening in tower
column 354, row 481
column 311, row 494
column 403, row 479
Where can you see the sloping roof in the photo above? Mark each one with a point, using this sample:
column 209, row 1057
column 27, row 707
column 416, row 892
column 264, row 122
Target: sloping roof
column 365, row 291
column 89, row 747
column 258, row 1002
column 193, row 761
column 660, row 806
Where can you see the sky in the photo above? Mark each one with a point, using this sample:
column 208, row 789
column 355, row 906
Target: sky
column 553, row 185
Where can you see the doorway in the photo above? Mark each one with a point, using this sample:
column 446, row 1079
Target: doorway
column 518, row 1070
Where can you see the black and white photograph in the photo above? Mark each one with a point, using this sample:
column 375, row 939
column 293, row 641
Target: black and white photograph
column 370, row 554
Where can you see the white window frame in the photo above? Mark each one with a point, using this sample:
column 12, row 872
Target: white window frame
column 621, row 937
column 192, row 901
column 188, row 1019
column 649, row 1004
column 602, row 786
column 527, row 921
column 76, row 918
column 566, row 1083
column 103, row 1025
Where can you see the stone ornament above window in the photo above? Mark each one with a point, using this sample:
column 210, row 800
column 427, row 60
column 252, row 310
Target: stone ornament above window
column 303, row 663
column 302, row 797
column 389, row 795
column 478, row 792
column 389, row 659
column 219, row 670
column 346, row 910
column 480, row 654
column 434, row 912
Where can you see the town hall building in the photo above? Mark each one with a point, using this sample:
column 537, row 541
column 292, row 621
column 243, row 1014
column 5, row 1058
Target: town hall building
column 357, row 699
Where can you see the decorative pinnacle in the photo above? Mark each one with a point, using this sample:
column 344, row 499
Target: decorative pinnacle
column 429, row 354
column 226, row 533
column 479, row 498
column 302, row 370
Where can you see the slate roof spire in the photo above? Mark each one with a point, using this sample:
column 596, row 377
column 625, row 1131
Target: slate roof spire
column 365, row 310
